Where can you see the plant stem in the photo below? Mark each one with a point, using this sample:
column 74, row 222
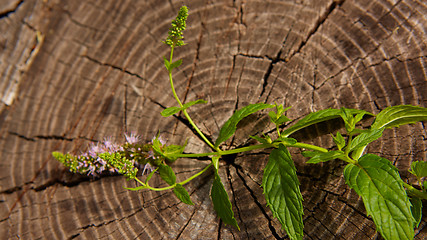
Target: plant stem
column 249, row 148
column 308, row 146
column 184, row 110
column 172, row 186
column 227, row 152
column 415, row 192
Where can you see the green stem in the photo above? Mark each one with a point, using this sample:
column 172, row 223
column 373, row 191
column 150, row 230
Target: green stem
column 249, row 148
column 198, row 130
column 227, row 152
column 172, row 186
column 347, row 149
column 184, row 111
column 308, row 146
column 415, row 192
column 278, row 130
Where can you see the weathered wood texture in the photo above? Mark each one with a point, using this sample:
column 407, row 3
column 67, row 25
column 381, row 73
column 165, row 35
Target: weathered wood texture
column 75, row 71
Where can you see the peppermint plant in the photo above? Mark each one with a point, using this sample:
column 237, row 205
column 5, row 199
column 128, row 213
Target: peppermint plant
column 394, row 205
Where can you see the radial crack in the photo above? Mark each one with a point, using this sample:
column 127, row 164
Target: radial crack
column 270, row 225
column 319, row 23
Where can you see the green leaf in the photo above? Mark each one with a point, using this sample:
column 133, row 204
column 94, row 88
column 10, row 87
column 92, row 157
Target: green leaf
column 189, row 104
column 282, row 119
column 230, row 126
column 167, row 174
column 167, row 63
column 378, row 182
column 317, row 157
column 170, row 111
column 150, row 175
column 286, row 141
column 419, row 168
column 182, row 194
column 265, row 140
column 221, row 202
column 365, row 138
column 416, row 210
column 171, row 150
column 278, row 120
column 399, row 115
column 215, row 162
column 317, row 117
column 282, row 193
column 175, row 64
column 339, row 140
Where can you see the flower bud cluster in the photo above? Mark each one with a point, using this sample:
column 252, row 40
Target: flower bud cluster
column 109, row 156
column 178, row 26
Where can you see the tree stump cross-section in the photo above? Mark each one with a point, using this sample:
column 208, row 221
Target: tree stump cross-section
column 74, row 72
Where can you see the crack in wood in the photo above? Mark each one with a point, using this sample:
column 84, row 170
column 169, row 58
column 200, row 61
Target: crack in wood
column 251, row 192
column 43, row 137
column 186, row 224
column 234, row 198
column 7, row 12
column 320, row 21
column 358, row 59
column 114, row 67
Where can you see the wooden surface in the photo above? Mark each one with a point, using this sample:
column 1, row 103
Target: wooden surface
column 73, row 72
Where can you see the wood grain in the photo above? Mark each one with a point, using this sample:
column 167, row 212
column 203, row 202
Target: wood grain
column 73, row 72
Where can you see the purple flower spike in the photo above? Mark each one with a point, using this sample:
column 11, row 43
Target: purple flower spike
column 132, row 138
column 110, row 146
column 94, row 149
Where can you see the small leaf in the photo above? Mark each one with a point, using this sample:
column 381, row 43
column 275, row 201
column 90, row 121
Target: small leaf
column 282, row 193
column 317, row 117
column 189, row 104
column 150, row 175
column 399, row 115
column 317, row 157
column 182, row 194
column 286, row 141
column 167, row 63
column 175, row 64
column 359, row 117
column 170, row 111
column 278, row 117
column 221, row 202
column 416, row 210
column 230, row 126
column 167, row 174
column 419, row 168
column 339, row 140
column 265, row 140
column 282, row 119
column 365, row 138
column 215, row 162
column 378, row 182
column 273, row 116
column 172, row 150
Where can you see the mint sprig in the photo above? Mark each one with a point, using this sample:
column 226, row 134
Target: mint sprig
column 394, row 205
